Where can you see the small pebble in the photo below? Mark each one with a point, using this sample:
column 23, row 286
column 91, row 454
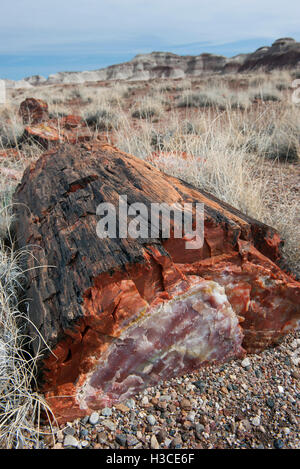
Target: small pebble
column 121, row 439
column 191, row 416
column 151, row 419
column 154, row 443
column 270, row 403
column 109, row 424
column 132, row 440
column 70, row 441
column 130, row 403
column 161, row 435
column 84, row 432
column 60, row 436
column 94, row 418
column 256, row 421
column 278, row 444
column 122, row 408
column 102, row 437
column 145, row 400
column 246, row 363
column 69, row 431
column 185, row 404
column 106, row 412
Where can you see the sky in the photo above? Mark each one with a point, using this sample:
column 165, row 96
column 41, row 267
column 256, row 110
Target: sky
column 44, row 37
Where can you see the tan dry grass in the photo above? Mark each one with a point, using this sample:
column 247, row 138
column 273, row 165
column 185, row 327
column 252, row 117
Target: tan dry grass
column 226, row 151
column 20, row 405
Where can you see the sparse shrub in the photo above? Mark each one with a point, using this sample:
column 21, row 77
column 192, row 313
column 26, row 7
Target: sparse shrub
column 296, row 74
column 188, row 127
column 217, row 98
column 147, row 109
column 273, row 135
column 258, row 79
column 209, row 98
column 144, row 113
column 281, row 86
column 275, row 146
column 58, row 110
column 76, row 93
column 58, row 114
column 10, row 133
column 102, row 119
column 157, row 140
column 266, row 93
column 282, row 149
column 164, row 86
column 238, row 100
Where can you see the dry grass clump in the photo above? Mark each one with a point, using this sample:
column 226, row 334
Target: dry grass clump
column 165, row 87
column 284, row 215
column 102, row 95
column 277, row 145
column 147, row 108
column 11, row 131
column 257, row 79
column 281, row 79
column 219, row 98
column 168, row 85
column 274, row 133
column 266, row 85
column 266, row 93
column 57, row 111
column 101, row 119
column 208, row 98
column 20, row 405
column 296, row 74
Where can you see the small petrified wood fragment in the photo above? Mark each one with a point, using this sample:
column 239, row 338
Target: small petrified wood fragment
column 123, row 313
column 33, row 111
column 51, row 132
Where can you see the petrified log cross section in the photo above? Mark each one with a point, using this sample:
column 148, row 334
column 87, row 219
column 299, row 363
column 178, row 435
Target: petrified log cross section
column 123, row 313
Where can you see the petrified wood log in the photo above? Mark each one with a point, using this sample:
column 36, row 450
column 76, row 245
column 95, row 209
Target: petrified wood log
column 50, row 133
column 123, row 313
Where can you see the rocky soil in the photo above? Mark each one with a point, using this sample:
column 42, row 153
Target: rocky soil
column 253, row 403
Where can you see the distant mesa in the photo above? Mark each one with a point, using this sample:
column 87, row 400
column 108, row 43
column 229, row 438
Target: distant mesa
column 284, row 41
column 263, row 49
column 36, row 80
column 284, row 53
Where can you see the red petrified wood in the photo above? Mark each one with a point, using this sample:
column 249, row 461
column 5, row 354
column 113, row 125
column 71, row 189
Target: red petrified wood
column 120, row 314
column 50, row 133
column 33, row 111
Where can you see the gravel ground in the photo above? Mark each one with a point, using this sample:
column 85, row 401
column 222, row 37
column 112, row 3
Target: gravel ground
column 250, row 403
